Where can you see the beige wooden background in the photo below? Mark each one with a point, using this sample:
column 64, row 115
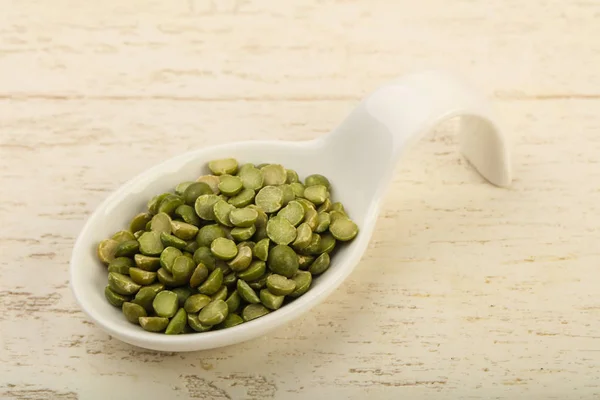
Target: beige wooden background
column 466, row 291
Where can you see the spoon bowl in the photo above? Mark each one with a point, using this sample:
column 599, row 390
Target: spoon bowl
column 358, row 157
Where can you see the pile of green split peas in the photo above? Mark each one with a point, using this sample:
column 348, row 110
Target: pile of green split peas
column 226, row 249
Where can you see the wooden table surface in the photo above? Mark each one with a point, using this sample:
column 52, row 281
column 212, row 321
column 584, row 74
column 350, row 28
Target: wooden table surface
column 466, row 291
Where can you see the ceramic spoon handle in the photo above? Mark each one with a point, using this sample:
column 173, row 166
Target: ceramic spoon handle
column 393, row 117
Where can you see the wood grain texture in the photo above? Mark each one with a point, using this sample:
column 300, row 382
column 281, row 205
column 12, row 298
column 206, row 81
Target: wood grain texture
column 466, row 291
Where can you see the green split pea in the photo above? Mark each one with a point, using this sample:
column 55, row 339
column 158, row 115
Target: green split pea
column 234, row 245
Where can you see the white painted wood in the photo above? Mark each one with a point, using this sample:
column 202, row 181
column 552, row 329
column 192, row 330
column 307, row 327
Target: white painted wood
column 467, row 290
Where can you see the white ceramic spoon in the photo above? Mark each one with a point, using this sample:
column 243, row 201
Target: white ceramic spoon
column 358, row 157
